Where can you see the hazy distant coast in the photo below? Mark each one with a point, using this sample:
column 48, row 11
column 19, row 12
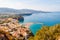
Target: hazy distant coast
column 21, row 11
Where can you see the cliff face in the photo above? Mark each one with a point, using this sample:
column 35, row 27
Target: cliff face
column 18, row 17
column 12, row 29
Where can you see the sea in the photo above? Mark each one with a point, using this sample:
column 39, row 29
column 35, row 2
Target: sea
column 45, row 18
column 48, row 19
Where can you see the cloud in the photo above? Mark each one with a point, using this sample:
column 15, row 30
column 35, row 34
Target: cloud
column 3, row 0
column 18, row 4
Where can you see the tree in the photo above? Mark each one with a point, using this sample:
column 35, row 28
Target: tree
column 47, row 33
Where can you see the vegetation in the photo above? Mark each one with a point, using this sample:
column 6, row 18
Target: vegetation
column 47, row 33
column 5, row 35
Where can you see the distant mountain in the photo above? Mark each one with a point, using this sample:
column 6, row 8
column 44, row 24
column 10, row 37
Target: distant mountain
column 57, row 12
column 21, row 11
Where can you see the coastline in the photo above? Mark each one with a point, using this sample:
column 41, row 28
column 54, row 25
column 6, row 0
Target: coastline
column 13, row 27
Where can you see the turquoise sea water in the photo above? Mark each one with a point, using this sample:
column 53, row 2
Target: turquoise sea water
column 35, row 27
column 45, row 18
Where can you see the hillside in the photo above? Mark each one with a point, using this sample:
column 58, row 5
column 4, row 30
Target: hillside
column 20, row 11
column 47, row 33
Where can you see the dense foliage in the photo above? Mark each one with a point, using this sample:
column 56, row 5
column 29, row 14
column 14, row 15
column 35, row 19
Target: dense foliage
column 47, row 33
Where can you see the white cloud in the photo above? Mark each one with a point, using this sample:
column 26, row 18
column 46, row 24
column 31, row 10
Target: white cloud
column 17, row 5
column 22, row 5
column 1, row 0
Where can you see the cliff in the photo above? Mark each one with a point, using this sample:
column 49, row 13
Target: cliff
column 10, row 29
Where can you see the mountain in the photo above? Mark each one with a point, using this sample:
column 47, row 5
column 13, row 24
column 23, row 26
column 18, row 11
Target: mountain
column 21, row 11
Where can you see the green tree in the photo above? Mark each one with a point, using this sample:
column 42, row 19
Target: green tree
column 48, row 33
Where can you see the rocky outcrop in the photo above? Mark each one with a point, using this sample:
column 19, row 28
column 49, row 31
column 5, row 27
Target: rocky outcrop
column 12, row 29
column 17, row 17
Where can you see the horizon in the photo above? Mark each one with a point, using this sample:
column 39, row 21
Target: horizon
column 44, row 5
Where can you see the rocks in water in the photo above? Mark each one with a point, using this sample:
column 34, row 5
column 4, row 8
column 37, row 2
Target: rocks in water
column 18, row 17
column 21, row 19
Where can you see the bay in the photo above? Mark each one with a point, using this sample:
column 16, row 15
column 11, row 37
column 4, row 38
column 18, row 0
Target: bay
column 45, row 18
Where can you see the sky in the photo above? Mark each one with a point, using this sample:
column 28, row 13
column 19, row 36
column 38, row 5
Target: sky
column 44, row 5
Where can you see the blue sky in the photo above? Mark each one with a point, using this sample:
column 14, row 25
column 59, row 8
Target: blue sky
column 45, row 5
